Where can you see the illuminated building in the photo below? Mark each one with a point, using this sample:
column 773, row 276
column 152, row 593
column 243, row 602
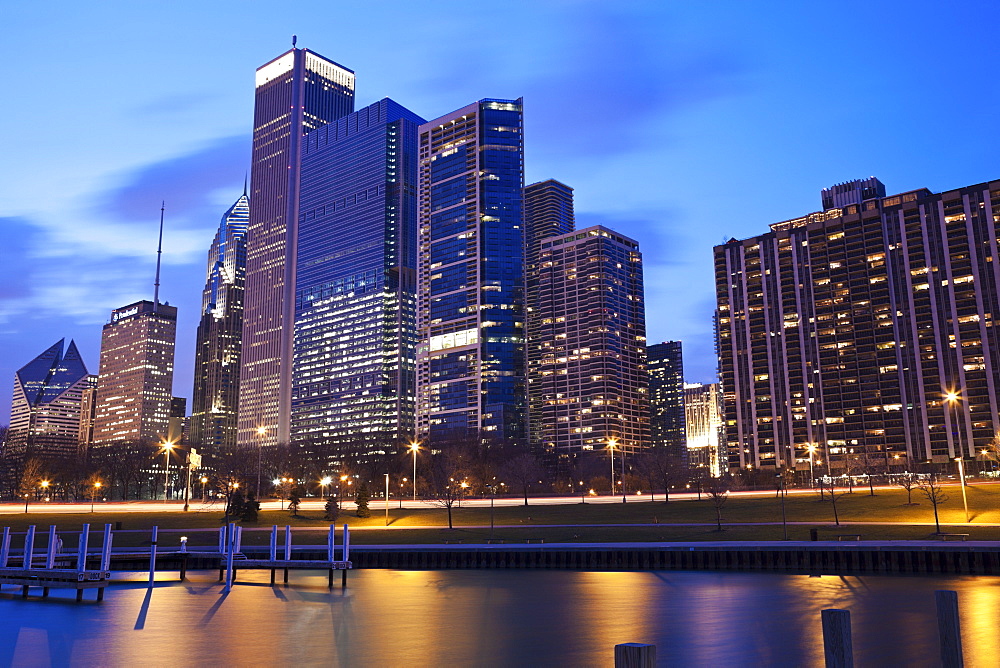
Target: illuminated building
column 217, row 350
column 355, row 321
column 844, row 330
column 665, row 365
column 297, row 92
column 136, row 374
column 47, row 404
column 471, row 366
column 703, row 425
column 588, row 373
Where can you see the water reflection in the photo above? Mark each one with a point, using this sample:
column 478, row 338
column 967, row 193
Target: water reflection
column 495, row 618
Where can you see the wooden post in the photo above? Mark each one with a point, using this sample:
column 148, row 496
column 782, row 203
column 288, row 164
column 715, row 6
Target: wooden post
column 635, row 655
column 29, row 548
column 837, row 638
column 230, row 544
column 949, row 629
column 5, row 548
column 347, row 543
column 50, row 553
column 343, row 578
column 184, row 566
column 105, row 556
column 274, row 542
column 81, row 552
column 152, row 556
column 288, row 549
column 329, row 543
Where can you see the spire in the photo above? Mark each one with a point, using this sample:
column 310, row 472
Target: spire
column 159, row 252
column 246, row 176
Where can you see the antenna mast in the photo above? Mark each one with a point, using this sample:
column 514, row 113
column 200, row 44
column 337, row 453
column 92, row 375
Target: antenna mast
column 159, row 252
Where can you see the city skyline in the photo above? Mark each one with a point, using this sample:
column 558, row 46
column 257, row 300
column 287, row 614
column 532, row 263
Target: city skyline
column 690, row 109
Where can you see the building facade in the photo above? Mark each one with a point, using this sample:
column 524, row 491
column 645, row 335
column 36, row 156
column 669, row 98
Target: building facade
column 297, row 92
column 353, row 387
column 134, row 385
column 665, row 364
column 863, row 335
column 471, row 363
column 588, row 373
column 703, row 426
column 215, row 397
column 47, row 405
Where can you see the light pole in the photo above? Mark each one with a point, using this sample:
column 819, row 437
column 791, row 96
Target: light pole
column 203, row 481
column 260, row 449
column 414, row 446
column 961, row 476
column 387, row 499
column 811, row 447
column 167, row 448
column 324, row 483
column 93, row 495
column 623, row 474
column 611, row 456
column 45, row 487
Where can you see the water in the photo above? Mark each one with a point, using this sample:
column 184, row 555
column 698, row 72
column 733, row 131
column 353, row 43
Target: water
column 494, row 618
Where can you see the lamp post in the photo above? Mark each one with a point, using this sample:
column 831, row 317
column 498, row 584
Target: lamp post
column 45, row 487
column 623, row 474
column 961, row 476
column 260, row 449
column 168, row 446
column 414, row 446
column 324, row 482
column 811, row 447
column 203, row 481
column 387, row 499
column 93, row 495
column 611, row 455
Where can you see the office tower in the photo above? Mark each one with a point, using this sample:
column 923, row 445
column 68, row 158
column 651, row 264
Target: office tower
column 355, row 301
column 295, row 93
column 665, row 365
column 46, row 407
column 217, row 350
column 471, row 365
column 548, row 211
column 703, row 425
column 589, row 382
column 136, row 374
column 177, row 426
column 863, row 336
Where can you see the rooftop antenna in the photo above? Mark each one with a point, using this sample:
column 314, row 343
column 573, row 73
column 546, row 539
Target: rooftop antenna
column 245, row 177
column 159, row 253
column 294, row 39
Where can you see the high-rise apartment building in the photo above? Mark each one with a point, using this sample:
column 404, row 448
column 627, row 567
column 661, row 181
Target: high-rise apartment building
column 297, row 92
column 588, row 373
column 354, row 382
column 665, row 365
column 46, row 407
column 703, row 425
column 217, row 349
column 864, row 334
column 134, row 386
column 471, row 364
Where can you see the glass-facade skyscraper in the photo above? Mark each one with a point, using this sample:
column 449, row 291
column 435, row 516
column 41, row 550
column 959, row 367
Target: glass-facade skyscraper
column 355, row 301
column 471, row 358
column 665, row 363
column 295, row 93
column 217, row 349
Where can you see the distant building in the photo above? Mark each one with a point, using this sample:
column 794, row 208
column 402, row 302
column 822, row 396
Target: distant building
column 215, row 396
column 865, row 333
column 46, row 407
column 136, row 374
column 588, row 373
column 703, row 424
column 353, row 386
column 177, row 431
column 471, row 364
column 296, row 92
column 665, row 365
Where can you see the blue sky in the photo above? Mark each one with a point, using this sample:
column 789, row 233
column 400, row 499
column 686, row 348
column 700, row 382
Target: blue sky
column 679, row 124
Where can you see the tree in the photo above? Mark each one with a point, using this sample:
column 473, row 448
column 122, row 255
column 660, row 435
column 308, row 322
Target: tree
column 932, row 489
column 332, row 508
column 234, row 505
column 523, row 471
column 661, row 467
column 908, row 482
column 31, row 477
column 251, row 507
column 293, row 503
column 361, row 498
column 718, row 494
column 833, row 495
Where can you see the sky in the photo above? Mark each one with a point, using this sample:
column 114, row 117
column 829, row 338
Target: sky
column 679, row 124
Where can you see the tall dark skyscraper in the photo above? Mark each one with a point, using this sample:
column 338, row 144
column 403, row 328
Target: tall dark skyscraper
column 297, row 92
column 355, row 301
column 865, row 333
column 666, row 397
column 46, row 407
column 217, row 351
column 588, row 368
column 471, row 364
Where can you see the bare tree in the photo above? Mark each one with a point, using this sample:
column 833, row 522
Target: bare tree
column 833, row 494
column 908, row 481
column 718, row 494
column 523, row 471
column 662, row 468
column 934, row 491
column 32, row 474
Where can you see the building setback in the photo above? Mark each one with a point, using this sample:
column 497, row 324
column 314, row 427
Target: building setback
column 355, row 304
column 46, row 406
column 703, row 424
column 588, row 374
column 136, row 374
column 471, row 365
column 847, row 329
column 665, row 365
column 297, row 92
column 217, row 349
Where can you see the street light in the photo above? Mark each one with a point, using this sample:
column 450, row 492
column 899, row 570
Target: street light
column 611, row 455
column 45, row 486
column 414, row 446
column 167, row 448
column 324, row 482
column 204, row 480
column 93, row 495
column 260, row 449
column 811, row 447
column 961, row 475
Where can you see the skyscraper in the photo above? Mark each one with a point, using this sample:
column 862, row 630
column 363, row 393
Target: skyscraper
column 703, row 425
column 217, row 350
column 134, row 386
column 471, row 364
column 588, row 374
column 355, row 332
column 863, row 335
column 46, row 407
column 296, row 92
column 666, row 397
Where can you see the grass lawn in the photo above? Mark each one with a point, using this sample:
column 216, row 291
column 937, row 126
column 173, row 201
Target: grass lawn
column 584, row 522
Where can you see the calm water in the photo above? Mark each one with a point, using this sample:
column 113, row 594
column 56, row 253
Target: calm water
column 496, row 618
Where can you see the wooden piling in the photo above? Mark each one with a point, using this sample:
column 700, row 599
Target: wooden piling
column 837, row 638
column 152, row 556
column 949, row 629
column 635, row 655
